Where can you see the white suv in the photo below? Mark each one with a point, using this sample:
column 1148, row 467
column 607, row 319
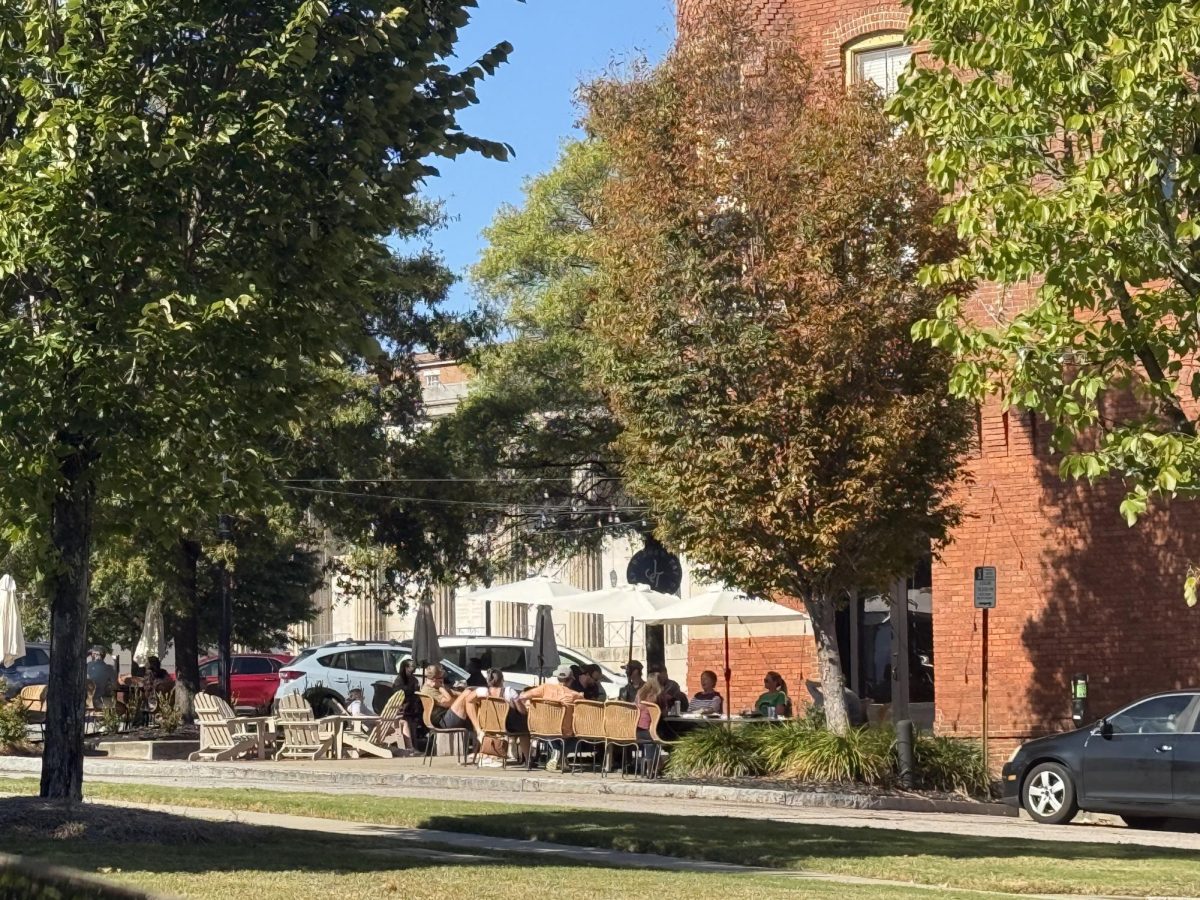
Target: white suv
column 511, row 656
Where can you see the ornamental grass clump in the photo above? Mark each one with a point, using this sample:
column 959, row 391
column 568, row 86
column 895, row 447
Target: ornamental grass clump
column 718, row 752
column 950, row 764
column 861, row 755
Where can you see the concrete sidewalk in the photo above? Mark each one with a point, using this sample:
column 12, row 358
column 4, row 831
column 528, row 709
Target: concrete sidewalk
column 447, row 775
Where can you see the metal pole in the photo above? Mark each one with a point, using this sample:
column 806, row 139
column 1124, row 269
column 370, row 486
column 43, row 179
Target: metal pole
column 904, row 751
column 984, row 666
column 225, row 635
column 728, row 675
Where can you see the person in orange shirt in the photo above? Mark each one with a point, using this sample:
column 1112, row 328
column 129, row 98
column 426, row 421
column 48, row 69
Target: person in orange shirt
column 559, row 691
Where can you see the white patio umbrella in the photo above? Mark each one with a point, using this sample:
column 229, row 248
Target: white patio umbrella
column 425, row 647
column 153, row 641
column 542, row 658
column 630, row 601
column 539, row 590
column 12, row 635
column 717, row 607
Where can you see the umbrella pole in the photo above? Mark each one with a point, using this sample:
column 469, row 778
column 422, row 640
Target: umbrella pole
column 630, row 657
column 728, row 674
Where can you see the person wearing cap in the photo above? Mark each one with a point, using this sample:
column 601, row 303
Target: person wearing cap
column 100, row 673
column 633, row 670
column 558, row 690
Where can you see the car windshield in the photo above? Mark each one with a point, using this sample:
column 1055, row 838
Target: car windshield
column 303, row 654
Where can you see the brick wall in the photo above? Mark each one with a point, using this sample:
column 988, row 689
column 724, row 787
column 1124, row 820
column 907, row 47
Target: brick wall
column 792, row 656
column 1078, row 591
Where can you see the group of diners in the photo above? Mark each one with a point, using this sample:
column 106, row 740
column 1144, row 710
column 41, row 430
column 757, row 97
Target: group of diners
column 458, row 708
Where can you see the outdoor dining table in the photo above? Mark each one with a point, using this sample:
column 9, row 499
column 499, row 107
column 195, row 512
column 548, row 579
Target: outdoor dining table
column 675, row 727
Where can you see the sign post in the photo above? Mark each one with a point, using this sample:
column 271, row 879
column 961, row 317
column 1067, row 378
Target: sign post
column 985, row 599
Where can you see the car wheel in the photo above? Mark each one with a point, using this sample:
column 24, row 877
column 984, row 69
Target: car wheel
column 1145, row 823
column 1049, row 794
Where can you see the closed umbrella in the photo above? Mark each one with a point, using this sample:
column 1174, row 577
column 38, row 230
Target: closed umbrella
column 12, row 636
column 425, row 647
column 153, row 641
column 630, row 601
column 717, row 607
column 542, row 657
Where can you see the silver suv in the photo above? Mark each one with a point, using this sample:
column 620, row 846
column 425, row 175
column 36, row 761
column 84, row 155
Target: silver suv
column 341, row 665
column 31, row 669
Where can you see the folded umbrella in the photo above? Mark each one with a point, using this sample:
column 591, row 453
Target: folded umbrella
column 153, row 641
column 425, row 647
column 12, row 635
column 542, row 658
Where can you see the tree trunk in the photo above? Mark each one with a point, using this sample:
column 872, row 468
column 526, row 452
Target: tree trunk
column 66, row 695
column 823, row 615
column 187, row 640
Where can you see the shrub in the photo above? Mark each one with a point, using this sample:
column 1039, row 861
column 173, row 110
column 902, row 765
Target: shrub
column 717, row 752
column 950, row 764
column 12, row 725
column 862, row 755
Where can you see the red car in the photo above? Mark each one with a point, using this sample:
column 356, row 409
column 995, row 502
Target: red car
column 253, row 681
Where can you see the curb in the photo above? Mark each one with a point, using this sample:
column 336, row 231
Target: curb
column 151, row 771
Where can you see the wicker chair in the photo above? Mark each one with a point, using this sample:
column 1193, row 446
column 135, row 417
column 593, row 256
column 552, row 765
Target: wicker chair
column 458, row 736
column 650, row 759
column 546, row 718
column 620, row 730
column 588, row 725
column 32, row 701
column 493, row 722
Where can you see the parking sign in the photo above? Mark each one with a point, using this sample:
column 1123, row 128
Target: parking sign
column 985, row 587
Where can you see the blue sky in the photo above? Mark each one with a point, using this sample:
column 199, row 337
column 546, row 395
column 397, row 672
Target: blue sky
column 529, row 103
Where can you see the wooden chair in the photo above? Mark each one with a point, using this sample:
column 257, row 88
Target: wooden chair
column 493, row 722
column 458, row 736
column 650, row 759
column 224, row 735
column 303, row 735
column 588, row 725
column 390, row 719
column 546, row 718
column 32, row 701
column 373, row 741
column 620, row 730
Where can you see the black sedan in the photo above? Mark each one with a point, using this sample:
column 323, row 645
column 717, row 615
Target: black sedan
column 1142, row 763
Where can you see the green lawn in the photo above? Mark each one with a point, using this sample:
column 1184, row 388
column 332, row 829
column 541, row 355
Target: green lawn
column 963, row 863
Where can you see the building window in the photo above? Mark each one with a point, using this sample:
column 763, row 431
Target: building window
column 880, row 59
column 433, row 379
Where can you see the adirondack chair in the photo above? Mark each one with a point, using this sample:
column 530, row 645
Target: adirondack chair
column 303, row 736
column 374, row 741
column 224, row 735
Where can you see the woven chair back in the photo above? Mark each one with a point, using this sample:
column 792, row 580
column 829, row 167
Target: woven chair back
column 620, row 721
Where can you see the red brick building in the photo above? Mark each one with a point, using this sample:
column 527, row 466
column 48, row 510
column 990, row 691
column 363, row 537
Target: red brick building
column 1078, row 591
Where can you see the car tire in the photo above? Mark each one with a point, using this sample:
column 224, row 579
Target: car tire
column 1145, row 823
column 1048, row 794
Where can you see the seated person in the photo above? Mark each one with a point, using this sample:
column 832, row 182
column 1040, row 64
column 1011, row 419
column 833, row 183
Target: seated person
column 516, row 721
column 774, row 696
column 668, row 691
column 854, row 706
column 560, row 690
column 355, row 705
column 589, row 680
column 475, row 676
column 435, row 688
column 707, row 700
column 647, row 696
column 633, row 670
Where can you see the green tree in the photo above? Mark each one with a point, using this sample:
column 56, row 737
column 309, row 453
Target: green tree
column 759, row 244
column 1070, row 163
column 194, row 198
column 536, row 432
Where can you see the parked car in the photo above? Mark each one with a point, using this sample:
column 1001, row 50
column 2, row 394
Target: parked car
column 1141, row 763
column 338, row 666
column 253, row 681
column 511, row 656
column 31, row 669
